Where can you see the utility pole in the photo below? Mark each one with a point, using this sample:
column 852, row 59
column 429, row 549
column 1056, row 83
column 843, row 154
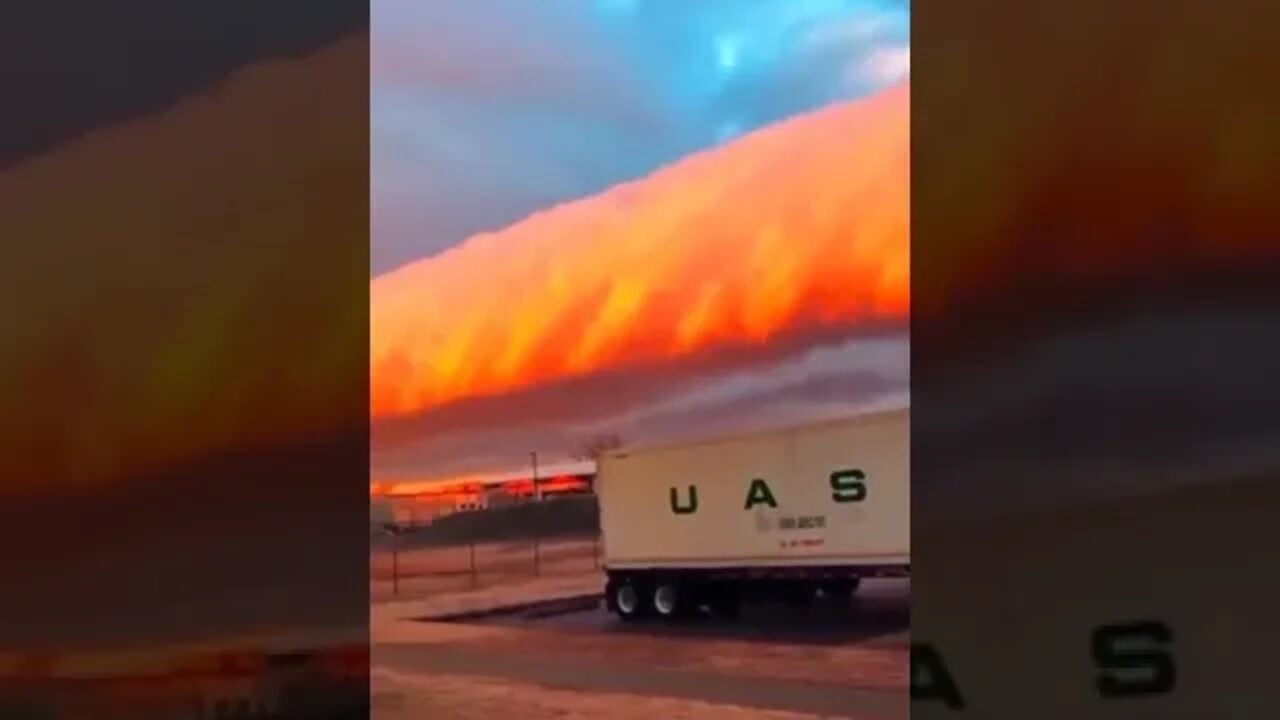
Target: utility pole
column 537, row 484
column 537, row 495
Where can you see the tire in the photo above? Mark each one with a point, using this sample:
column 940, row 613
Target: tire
column 671, row 601
column 629, row 599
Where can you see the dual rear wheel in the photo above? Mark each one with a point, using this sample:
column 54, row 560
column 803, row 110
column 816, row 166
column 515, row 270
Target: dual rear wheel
column 628, row 599
column 669, row 599
column 634, row 599
column 639, row 597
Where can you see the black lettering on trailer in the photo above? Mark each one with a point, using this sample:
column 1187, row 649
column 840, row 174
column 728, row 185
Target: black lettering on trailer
column 848, row 486
column 758, row 493
column 684, row 508
column 1133, row 659
column 931, row 679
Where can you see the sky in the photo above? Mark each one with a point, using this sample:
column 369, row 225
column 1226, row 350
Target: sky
column 490, row 118
column 485, row 111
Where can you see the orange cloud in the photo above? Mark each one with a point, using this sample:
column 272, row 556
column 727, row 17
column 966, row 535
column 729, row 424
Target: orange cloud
column 801, row 225
column 158, row 313
column 1107, row 162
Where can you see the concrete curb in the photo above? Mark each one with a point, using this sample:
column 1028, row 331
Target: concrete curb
column 547, row 607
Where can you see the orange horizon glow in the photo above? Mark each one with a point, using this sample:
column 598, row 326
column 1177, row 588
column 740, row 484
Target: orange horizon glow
column 801, row 225
column 471, row 488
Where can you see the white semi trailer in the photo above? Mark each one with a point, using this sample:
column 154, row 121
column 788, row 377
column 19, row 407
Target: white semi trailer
column 788, row 514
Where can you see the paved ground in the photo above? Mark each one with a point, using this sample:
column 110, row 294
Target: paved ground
column 773, row 664
column 878, row 616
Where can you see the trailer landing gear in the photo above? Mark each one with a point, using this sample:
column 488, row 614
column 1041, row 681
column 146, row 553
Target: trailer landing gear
column 725, row 603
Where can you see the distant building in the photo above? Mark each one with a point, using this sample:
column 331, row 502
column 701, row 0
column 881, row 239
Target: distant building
column 411, row 505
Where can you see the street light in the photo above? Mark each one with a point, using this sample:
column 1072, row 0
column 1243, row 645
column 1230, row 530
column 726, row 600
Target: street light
column 537, row 494
column 537, row 485
column 393, row 532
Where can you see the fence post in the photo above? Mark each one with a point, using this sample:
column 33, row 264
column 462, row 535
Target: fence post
column 395, row 566
column 475, row 580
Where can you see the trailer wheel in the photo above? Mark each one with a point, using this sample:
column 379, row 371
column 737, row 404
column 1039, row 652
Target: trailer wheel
column 670, row 601
column 629, row 599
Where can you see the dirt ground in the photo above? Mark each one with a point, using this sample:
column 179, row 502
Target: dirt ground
column 597, row 668
column 399, row 696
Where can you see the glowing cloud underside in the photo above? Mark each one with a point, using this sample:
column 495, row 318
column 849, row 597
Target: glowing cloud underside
column 1120, row 174
column 144, row 343
column 801, row 225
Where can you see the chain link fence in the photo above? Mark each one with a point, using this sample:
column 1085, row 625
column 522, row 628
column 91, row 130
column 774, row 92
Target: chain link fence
column 403, row 572
column 482, row 548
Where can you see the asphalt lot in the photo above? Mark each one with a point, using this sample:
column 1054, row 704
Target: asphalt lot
column 879, row 615
column 801, row 662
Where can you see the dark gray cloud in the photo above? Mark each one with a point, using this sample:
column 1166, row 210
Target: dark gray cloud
column 830, row 379
column 91, row 65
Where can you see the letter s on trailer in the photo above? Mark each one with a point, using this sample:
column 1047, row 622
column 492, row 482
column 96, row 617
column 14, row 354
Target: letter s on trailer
column 790, row 514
